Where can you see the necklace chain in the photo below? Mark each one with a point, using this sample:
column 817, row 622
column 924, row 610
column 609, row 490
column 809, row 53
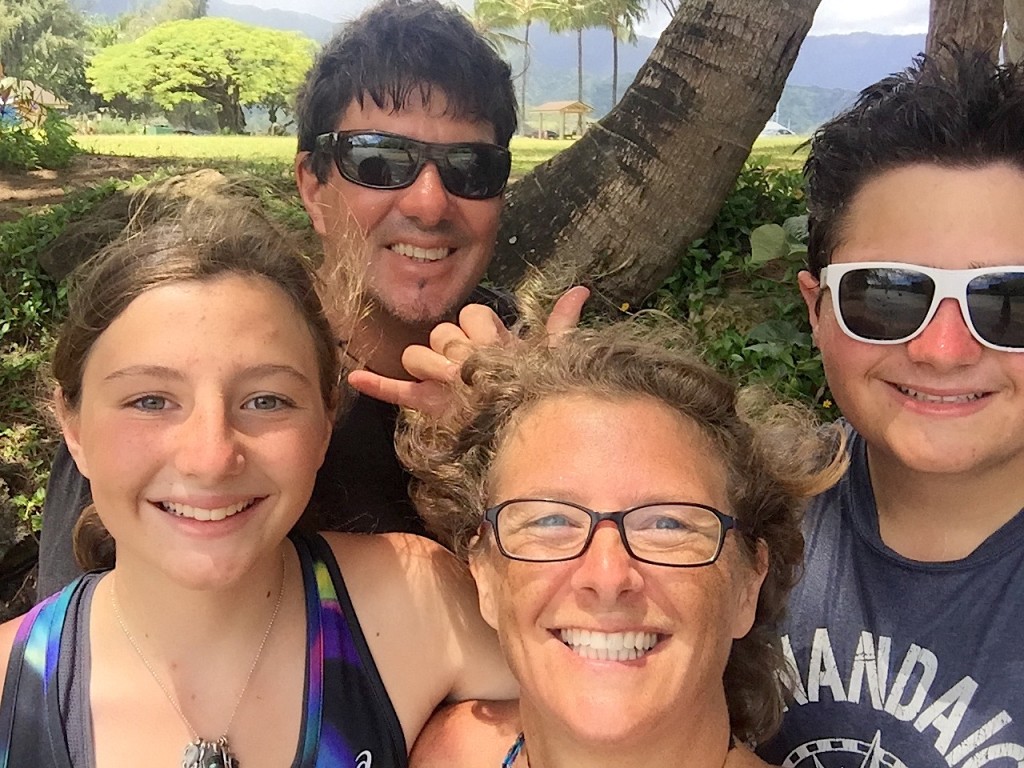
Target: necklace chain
column 166, row 691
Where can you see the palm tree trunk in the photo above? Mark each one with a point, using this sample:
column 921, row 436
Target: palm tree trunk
column 615, row 66
column 579, row 79
column 973, row 24
column 619, row 206
column 526, row 66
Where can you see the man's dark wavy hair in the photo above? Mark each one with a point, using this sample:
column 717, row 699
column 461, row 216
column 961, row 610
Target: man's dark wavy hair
column 394, row 50
column 958, row 109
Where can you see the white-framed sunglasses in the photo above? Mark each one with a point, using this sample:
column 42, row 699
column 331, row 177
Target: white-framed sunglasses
column 884, row 302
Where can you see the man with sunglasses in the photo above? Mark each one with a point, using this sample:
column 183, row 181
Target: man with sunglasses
column 904, row 632
column 404, row 124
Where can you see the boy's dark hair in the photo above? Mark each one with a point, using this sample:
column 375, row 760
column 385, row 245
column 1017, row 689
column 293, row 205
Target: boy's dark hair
column 395, row 49
column 960, row 109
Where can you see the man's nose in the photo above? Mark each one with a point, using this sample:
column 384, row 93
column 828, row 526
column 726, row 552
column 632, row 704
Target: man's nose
column 426, row 201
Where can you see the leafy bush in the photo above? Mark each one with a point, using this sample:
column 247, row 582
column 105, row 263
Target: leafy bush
column 32, row 305
column 18, row 147
column 57, row 148
column 742, row 302
column 25, row 147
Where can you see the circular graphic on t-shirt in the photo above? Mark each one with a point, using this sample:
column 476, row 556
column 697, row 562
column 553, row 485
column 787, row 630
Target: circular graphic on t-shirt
column 843, row 753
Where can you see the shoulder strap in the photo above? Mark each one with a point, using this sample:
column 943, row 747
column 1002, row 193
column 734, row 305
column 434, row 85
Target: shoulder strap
column 30, row 687
column 350, row 718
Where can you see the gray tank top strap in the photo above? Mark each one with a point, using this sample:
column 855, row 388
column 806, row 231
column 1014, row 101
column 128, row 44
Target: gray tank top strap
column 73, row 678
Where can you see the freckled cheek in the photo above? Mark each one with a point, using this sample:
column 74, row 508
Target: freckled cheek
column 525, row 603
column 122, row 446
column 704, row 610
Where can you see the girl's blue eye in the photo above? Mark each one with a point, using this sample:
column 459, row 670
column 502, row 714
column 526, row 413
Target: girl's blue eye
column 266, row 403
column 150, row 403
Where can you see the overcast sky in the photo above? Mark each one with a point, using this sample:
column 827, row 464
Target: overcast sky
column 893, row 17
column 836, row 17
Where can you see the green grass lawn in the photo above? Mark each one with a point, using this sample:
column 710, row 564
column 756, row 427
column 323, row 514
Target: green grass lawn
column 780, row 151
column 526, row 153
column 259, row 148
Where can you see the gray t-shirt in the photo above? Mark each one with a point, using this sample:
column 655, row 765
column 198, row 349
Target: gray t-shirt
column 901, row 663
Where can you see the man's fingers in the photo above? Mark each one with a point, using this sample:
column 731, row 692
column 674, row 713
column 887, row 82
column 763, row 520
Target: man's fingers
column 565, row 315
column 482, row 326
column 430, row 397
column 427, row 364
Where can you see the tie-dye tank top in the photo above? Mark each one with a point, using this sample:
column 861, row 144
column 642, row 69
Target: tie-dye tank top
column 348, row 720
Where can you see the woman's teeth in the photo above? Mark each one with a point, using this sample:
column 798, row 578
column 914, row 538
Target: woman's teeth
column 613, row 646
column 202, row 513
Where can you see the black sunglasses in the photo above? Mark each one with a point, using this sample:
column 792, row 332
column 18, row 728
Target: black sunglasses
column 379, row 160
column 884, row 302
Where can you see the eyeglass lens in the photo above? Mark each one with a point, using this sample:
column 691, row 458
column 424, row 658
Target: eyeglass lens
column 887, row 304
column 673, row 534
column 385, row 161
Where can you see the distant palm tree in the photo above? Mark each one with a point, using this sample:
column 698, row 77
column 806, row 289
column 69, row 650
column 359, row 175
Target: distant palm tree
column 490, row 18
column 621, row 18
column 576, row 15
column 525, row 12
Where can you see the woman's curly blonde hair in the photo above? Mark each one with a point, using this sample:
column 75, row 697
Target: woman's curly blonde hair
column 776, row 457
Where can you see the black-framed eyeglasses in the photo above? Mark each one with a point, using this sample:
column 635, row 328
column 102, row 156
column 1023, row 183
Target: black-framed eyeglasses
column 676, row 534
column 380, row 160
column 882, row 302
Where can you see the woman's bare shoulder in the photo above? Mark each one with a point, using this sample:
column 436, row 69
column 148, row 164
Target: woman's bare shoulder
column 471, row 734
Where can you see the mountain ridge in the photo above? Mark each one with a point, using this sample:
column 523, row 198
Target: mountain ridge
column 827, row 74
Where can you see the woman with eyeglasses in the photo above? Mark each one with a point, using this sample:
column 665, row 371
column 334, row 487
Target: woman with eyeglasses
column 632, row 526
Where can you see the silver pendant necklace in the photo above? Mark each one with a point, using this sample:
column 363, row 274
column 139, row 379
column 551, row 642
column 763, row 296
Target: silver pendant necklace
column 201, row 753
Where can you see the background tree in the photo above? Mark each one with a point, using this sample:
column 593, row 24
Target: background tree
column 42, row 41
column 147, row 16
column 620, row 17
column 230, row 64
column 976, row 24
column 619, row 206
column 491, row 19
column 575, row 15
column 527, row 12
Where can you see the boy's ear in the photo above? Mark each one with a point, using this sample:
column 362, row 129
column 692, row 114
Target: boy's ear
column 810, row 289
column 69, row 427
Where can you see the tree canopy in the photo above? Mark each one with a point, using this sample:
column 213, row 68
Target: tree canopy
column 42, row 41
column 230, row 64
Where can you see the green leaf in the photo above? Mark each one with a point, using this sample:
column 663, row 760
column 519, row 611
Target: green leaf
column 768, row 243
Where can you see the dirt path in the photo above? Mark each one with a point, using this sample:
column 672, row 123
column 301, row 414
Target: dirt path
column 20, row 192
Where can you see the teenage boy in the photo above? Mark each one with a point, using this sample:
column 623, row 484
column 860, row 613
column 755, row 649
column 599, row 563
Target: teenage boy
column 905, row 630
